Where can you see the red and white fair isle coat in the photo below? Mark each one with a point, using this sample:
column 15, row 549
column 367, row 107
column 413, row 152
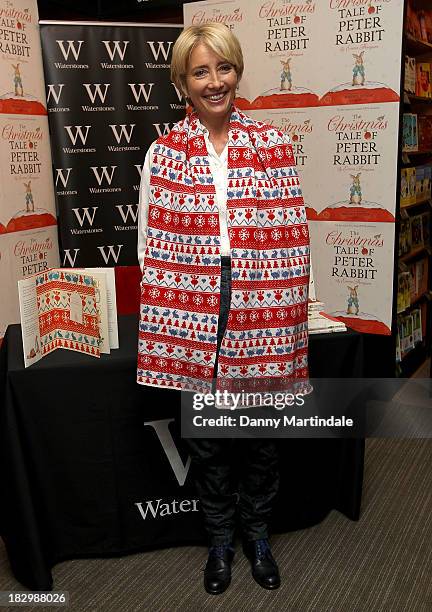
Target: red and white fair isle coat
column 266, row 340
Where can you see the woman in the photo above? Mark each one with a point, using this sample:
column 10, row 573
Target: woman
column 223, row 246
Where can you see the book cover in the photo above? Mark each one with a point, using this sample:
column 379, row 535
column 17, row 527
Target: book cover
column 423, row 79
column 58, row 310
column 416, row 232
column 424, row 123
column 417, row 326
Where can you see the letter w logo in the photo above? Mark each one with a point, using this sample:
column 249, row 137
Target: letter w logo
column 165, row 438
column 129, row 211
column 111, row 52
column 161, row 48
column 100, row 176
column 78, row 132
column 111, row 252
column 52, row 93
column 97, row 91
column 163, row 132
column 71, row 47
column 142, row 90
column 123, row 131
column 60, row 176
column 85, row 215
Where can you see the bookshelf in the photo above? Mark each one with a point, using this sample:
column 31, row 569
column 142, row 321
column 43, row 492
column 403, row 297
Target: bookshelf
column 414, row 260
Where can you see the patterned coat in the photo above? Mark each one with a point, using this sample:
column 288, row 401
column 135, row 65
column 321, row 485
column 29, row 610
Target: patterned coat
column 266, row 339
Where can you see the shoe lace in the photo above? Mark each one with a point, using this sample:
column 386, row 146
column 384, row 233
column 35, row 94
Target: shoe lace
column 219, row 550
column 261, row 547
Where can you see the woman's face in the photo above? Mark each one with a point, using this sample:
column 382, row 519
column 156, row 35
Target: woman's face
column 211, row 84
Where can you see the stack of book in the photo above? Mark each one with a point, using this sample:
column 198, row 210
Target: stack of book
column 321, row 323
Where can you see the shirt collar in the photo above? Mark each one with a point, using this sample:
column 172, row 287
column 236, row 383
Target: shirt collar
column 210, row 148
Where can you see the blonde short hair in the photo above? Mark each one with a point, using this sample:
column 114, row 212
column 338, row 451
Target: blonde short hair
column 217, row 36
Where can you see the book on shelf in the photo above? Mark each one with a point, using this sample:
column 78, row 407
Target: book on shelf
column 416, row 232
column 423, row 80
column 409, row 133
column 426, row 221
column 424, row 125
column 417, row 325
column 404, row 237
column 410, row 75
column 67, row 308
column 412, row 25
column 407, row 338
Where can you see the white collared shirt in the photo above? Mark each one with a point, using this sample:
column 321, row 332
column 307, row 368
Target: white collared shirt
column 219, row 170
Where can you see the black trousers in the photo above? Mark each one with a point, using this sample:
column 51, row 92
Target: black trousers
column 234, row 476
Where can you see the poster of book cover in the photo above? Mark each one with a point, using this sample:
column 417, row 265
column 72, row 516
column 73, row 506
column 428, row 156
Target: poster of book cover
column 352, row 270
column 356, row 147
column 309, row 53
column 21, row 86
column 328, row 74
column 28, row 221
column 360, row 51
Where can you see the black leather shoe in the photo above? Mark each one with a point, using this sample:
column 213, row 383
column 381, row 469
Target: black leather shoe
column 264, row 568
column 217, row 572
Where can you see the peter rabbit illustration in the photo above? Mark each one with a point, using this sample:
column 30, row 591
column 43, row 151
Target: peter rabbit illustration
column 353, row 301
column 17, row 80
column 358, row 70
column 286, row 81
column 355, row 191
column 29, row 197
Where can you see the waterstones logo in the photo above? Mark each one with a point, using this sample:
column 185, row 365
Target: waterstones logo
column 75, row 133
column 110, row 251
column 113, row 48
column 94, row 90
column 62, row 176
column 126, row 211
column 72, row 50
column 70, row 257
column 86, row 216
column 101, row 174
column 166, row 440
column 121, row 132
column 167, row 127
column 163, row 49
column 155, row 508
column 143, row 90
column 55, row 92
column 181, row 103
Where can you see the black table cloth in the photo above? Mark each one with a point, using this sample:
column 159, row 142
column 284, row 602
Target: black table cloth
column 93, row 464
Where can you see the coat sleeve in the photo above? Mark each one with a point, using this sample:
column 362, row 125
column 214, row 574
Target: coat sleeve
column 143, row 205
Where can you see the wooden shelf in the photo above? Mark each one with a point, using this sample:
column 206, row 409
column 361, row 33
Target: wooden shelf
column 415, row 45
column 419, row 203
column 417, row 99
column 418, row 153
column 414, row 254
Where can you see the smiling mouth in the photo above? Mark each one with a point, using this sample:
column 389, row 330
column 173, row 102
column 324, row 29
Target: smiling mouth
column 216, row 97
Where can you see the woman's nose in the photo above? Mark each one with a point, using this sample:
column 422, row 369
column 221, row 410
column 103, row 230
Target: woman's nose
column 215, row 80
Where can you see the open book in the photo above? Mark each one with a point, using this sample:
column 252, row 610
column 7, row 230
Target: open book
column 66, row 308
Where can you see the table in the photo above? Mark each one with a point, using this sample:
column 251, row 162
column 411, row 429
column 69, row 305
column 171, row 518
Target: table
column 92, row 464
